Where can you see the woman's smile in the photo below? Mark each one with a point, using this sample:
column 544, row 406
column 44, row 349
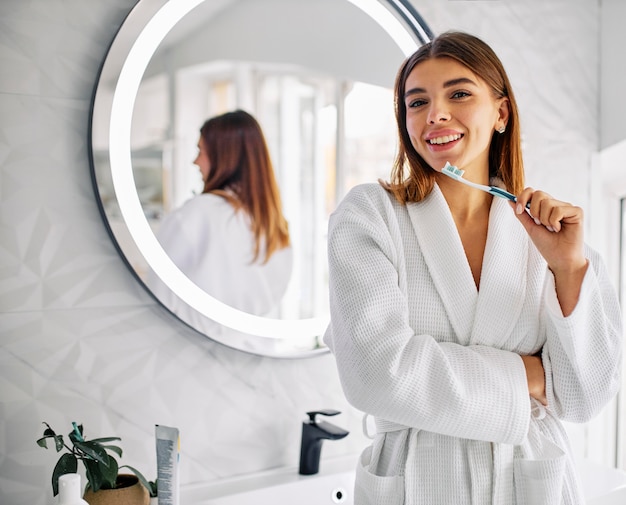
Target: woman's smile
column 443, row 140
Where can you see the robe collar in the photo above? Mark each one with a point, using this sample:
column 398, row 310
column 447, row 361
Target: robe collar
column 488, row 316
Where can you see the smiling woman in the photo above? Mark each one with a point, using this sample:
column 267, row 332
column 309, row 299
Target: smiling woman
column 469, row 328
column 175, row 63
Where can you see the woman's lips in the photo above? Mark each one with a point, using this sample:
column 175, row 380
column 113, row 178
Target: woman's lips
column 443, row 142
column 444, row 139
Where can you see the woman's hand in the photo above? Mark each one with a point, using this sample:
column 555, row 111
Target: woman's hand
column 536, row 378
column 556, row 229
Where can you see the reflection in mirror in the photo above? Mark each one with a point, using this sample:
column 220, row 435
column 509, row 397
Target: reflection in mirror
column 232, row 240
column 321, row 91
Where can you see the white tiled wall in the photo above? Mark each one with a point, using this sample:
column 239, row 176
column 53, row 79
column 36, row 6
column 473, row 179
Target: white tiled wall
column 80, row 340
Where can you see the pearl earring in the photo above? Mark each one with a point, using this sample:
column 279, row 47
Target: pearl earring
column 502, row 129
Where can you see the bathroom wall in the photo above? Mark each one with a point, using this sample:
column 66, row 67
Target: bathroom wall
column 612, row 73
column 79, row 338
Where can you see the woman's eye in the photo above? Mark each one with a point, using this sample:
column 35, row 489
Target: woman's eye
column 460, row 94
column 417, row 103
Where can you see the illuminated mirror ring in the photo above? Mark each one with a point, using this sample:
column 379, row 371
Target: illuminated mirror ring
column 126, row 89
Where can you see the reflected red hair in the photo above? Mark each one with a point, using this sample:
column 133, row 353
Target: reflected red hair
column 241, row 171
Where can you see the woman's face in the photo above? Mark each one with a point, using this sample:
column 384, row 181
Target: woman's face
column 202, row 160
column 451, row 115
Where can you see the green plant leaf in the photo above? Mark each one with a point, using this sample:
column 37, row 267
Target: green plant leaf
column 117, row 450
column 109, row 473
column 93, row 473
column 151, row 489
column 58, row 443
column 78, row 430
column 67, row 464
column 106, row 439
column 101, row 476
column 48, row 431
column 76, row 435
column 93, row 451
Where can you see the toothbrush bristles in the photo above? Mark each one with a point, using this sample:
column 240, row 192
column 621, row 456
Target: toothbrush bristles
column 453, row 170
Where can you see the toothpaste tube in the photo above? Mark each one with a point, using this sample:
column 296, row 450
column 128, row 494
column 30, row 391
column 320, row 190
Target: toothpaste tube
column 168, row 457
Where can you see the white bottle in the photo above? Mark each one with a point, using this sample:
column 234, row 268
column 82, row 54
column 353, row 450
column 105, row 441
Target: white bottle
column 69, row 490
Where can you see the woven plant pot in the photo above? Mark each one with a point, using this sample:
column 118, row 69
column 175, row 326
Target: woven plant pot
column 129, row 491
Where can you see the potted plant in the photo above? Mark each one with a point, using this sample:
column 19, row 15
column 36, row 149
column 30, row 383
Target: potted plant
column 101, row 468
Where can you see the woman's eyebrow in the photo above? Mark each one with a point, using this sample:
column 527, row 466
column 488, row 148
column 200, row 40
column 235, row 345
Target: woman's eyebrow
column 459, row 80
column 447, row 84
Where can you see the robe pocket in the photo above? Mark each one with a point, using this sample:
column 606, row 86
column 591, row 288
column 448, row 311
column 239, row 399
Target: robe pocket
column 372, row 489
column 539, row 477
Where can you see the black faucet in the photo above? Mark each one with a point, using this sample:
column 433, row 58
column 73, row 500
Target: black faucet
column 314, row 432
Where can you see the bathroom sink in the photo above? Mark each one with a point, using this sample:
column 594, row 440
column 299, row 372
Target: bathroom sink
column 333, row 484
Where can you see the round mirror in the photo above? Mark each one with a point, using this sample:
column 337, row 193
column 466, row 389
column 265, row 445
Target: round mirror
column 316, row 74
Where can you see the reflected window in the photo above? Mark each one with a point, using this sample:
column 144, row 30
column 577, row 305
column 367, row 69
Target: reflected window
column 370, row 133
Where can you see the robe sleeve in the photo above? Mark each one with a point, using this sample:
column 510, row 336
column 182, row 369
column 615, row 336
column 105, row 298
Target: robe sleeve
column 388, row 370
column 183, row 237
column 582, row 355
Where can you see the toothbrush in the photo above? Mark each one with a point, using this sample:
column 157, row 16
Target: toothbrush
column 457, row 174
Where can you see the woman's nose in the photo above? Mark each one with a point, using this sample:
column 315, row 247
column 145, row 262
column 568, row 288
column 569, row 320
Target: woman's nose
column 437, row 113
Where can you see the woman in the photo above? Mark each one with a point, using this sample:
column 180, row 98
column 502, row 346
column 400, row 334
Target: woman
column 232, row 240
column 468, row 326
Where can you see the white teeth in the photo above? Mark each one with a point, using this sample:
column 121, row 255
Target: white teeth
column 445, row 139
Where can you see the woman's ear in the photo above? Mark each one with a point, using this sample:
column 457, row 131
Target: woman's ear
column 503, row 113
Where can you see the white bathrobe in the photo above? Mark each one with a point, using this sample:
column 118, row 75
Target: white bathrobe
column 212, row 245
column 437, row 362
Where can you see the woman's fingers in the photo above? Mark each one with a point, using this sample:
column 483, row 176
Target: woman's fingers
column 555, row 227
column 550, row 212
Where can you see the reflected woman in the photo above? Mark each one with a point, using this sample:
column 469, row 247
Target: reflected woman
column 232, row 240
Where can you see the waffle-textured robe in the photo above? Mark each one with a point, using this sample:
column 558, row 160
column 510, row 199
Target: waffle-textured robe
column 437, row 362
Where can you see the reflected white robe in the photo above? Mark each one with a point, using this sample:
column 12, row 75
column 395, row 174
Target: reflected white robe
column 437, row 362
column 213, row 246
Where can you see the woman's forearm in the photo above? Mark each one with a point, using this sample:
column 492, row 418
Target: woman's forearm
column 535, row 375
column 568, row 283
